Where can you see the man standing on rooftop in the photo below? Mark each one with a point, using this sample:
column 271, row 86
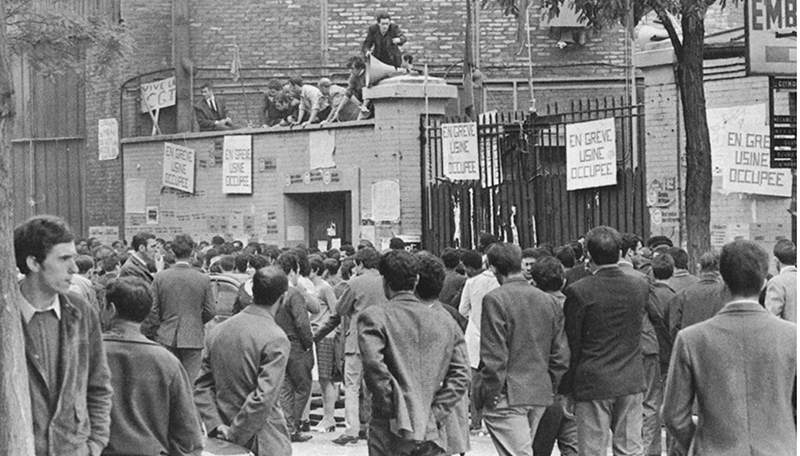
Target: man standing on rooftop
column 384, row 39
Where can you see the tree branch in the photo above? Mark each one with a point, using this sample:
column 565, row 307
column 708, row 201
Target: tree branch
column 666, row 20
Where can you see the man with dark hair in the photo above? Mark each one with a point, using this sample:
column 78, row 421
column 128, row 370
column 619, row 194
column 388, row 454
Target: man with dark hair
column 354, row 93
column 485, row 240
column 700, row 301
column 68, row 376
column 268, row 114
column 523, row 350
column 414, row 365
column 681, row 279
column 480, row 281
column 312, row 102
column 654, row 241
column 781, row 296
column 360, row 292
column 237, row 396
column 396, row 243
column 210, row 112
column 453, row 281
column 153, row 411
column 383, row 40
column 145, row 250
column 663, row 267
column 603, row 321
column 183, row 302
column 566, row 256
column 739, row 368
column 292, row 318
column 578, row 271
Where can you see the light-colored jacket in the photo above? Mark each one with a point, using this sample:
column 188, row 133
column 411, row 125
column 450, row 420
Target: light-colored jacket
column 781, row 298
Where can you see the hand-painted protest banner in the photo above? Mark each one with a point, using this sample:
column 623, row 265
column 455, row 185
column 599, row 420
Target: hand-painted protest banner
column 460, row 151
column 107, row 139
column 740, row 141
column 158, row 94
column 591, row 154
column 237, row 165
column 178, row 169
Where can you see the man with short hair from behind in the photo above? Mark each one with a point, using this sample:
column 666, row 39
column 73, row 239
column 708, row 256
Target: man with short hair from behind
column 781, row 295
column 700, row 301
column 68, row 376
column 739, row 367
column 681, row 278
column 414, row 365
column 453, row 281
column 153, row 411
column 183, row 302
column 238, row 396
column 605, row 380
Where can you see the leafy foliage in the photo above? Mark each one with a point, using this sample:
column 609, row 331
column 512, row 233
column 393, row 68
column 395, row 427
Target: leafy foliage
column 55, row 42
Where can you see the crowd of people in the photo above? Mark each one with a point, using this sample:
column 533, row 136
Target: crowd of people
column 295, row 102
column 610, row 335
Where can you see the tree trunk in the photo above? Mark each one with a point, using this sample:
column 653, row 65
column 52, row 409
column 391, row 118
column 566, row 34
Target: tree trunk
column 16, row 424
column 698, row 144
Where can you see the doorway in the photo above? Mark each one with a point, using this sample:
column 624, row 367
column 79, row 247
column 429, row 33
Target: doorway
column 328, row 219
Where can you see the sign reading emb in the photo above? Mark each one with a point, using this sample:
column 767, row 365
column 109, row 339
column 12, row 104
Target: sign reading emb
column 460, row 151
column 591, row 154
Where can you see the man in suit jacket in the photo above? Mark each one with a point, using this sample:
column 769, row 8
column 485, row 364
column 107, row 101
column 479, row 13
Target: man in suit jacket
column 237, row 396
column 145, row 250
column 383, row 40
column 603, row 320
column 739, row 367
column 68, row 377
column 414, row 365
column 700, row 301
column 524, row 353
column 360, row 292
column 781, row 297
column 211, row 112
column 183, row 301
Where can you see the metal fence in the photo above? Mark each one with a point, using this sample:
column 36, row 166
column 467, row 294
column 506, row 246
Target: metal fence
column 521, row 195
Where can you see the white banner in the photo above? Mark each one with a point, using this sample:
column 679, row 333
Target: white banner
column 178, row 171
column 460, row 151
column 237, row 165
column 107, row 139
column 158, row 94
column 591, row 154
column 740, row 141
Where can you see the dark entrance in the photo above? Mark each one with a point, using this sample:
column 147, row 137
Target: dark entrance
column 328, row 217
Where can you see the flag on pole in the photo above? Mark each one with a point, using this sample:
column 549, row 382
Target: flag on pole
column 236, row 63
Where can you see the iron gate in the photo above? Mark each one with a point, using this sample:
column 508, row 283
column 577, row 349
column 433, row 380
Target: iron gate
column 522, row 195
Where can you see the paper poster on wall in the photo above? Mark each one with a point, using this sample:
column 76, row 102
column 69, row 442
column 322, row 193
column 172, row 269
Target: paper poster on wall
column 740, row 151
column 591, row 154
column 295, row 233
column 107, row 139
column 237, row 165
column 336, row 243
column 105, row 234
column 135, row 196
column 460, row 151
column 152, row 215
column 321, row 146
column 386, row 200
column 368, row 233
column 178, row 168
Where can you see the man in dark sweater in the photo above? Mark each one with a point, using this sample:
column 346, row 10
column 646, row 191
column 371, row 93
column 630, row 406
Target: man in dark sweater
column 383, row 40
column 68, row 376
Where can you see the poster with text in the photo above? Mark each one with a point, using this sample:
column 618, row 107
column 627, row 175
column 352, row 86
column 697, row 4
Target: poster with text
column 460, row 151
column 591, row 154
column 740, row 141
column 237, row 165
column 178, row 168
column 107, row 139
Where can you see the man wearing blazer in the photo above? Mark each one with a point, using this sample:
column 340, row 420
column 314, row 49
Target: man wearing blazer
column 183, row 301
column 603, row 319
column 524, row 353
column 244, row 365
column 211, row 112
column 739, row 367
column 68, row 376
column 781, row 293
column 145, row 249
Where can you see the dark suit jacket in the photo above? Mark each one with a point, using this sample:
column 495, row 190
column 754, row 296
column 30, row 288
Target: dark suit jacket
column 523, row 345
column 603, row 319
column 81, row 417
column 153, row 410
column 183, row 301
column 292, row 317
column 133, row 267
column 697, row 303
column 451, row 290
column 741, row 368
column 381, row 45
column 206, row 116
column 415, row 366
column 242, row 391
